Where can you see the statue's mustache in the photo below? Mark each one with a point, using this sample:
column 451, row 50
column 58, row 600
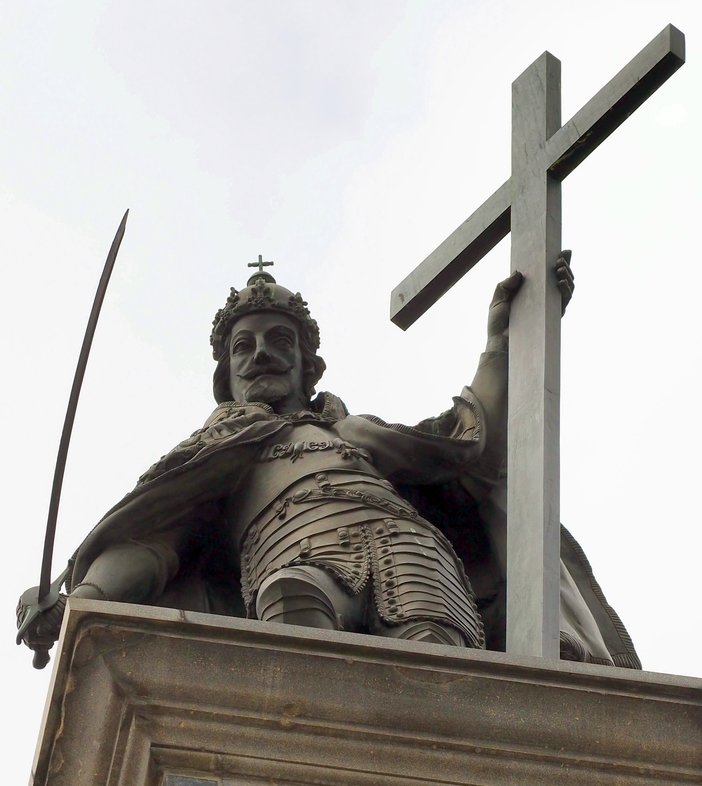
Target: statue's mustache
column 268, row 369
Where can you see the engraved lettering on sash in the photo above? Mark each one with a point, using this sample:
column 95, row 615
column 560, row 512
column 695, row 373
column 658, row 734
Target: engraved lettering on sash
column 294, row 450
column 297, row 451
column 278, row 451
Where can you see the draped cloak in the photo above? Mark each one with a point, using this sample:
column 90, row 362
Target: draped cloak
column 438, row 466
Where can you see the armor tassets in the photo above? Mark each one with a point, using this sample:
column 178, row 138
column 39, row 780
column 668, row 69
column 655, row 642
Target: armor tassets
column 318, row 501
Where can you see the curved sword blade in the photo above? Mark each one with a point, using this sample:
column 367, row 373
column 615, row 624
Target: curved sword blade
column 45, row 578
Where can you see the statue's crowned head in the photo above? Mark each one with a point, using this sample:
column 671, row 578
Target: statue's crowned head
column 262, row 295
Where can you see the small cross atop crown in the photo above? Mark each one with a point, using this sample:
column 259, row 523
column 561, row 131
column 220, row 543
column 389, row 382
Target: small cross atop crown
column 260, row 264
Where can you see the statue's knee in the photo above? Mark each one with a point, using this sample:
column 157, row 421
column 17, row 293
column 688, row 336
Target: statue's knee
column 298, row 596
column 131, row 572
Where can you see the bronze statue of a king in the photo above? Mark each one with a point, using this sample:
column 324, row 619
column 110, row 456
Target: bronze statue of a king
column 286, row 508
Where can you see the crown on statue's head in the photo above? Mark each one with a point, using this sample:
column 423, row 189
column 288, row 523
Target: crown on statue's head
column 262, row 293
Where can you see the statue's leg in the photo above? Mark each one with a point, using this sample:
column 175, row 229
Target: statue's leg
column 305, row 595
column 131, row 572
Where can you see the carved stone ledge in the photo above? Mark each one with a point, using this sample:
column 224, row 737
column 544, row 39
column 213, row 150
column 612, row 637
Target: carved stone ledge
column 158, row 697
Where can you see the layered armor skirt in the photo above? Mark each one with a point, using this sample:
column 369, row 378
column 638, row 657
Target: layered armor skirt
column 357, row 527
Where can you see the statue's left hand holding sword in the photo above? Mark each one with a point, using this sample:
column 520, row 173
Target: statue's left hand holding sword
column 40, row 609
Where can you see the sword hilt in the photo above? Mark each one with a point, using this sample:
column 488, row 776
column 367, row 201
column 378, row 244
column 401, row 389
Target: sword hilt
column 33, row 609
column 40, row 659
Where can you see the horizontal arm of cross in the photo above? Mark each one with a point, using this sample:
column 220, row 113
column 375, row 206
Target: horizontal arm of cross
column 448, row 263
column 567, row 148
column 618, row 99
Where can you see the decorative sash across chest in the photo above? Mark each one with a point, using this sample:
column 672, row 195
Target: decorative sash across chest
column 296, row 450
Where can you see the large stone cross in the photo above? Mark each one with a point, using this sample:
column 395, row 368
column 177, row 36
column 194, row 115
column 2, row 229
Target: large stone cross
column 529, row 204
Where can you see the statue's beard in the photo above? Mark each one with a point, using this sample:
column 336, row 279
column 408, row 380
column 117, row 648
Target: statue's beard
column 269, row 388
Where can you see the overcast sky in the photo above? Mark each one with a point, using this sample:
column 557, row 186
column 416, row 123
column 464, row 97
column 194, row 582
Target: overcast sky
column 345, row 141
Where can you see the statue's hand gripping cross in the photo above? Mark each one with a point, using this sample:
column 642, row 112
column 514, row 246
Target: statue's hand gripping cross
column 529, row 205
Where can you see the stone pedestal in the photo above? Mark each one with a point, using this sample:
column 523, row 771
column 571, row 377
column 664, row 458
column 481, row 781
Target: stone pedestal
column 142, row 695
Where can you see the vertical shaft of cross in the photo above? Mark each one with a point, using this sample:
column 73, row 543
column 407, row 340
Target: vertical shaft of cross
column 533, row 505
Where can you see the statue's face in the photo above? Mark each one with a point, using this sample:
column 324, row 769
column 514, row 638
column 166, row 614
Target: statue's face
column 265, row 361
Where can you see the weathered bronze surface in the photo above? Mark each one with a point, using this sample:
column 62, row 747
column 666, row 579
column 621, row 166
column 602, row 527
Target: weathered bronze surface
column 286, row 508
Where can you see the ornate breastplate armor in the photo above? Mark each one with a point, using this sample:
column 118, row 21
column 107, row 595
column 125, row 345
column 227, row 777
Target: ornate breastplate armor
column 317, row 500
